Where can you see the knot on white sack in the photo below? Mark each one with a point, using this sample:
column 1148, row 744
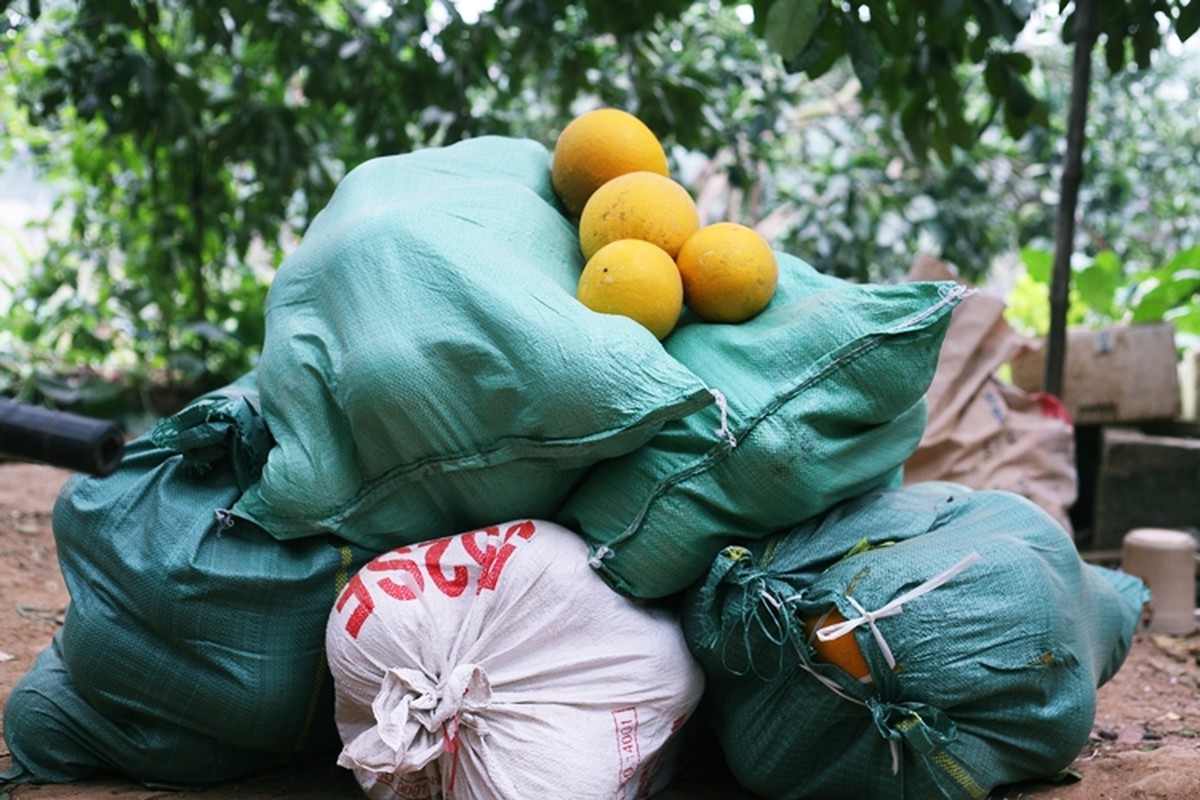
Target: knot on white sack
column 417, row 718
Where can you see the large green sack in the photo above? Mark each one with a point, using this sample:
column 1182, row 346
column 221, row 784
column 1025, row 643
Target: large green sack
column 985, row 634
column 192, row 651
column 427, row 368
column 821, row 400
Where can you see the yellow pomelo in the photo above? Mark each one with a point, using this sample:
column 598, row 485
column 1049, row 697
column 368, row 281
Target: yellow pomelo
column 638, row 205
column 596, row 147
column 636, row 279
column 729, row 272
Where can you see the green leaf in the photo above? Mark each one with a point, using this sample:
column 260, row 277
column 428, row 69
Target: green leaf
column 1098, row 283
column 1155, row 305
column 761, row 10
column 961, row 132
column 914, row 122
column 1064, row 777
column 949, row 9
column 1114, row 53
column 1172, row 286
column 1146, row 40
column 1188, row 20
column 823, row 50
column 1186, row 318
column 863, row 55
column 1007, row 23
column 940, row 142
column 1039, row 114
column 790, row 25
column 1019, row 62
column 995, row 77
column 1188, row 259
column 1068, row 24
column 1039, row 264
column 1019, row 101
column 985, row 17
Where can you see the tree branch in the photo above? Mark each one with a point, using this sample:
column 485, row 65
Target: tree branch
column 1072, row 176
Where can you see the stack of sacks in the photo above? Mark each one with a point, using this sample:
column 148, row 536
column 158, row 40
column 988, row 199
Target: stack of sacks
column 928, row 641
column 426, row 371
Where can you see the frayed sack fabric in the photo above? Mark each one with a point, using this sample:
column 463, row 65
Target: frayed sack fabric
column 820, row 399
column 980, row 635
column 427, row 368
column 192, row 651
column 496, row 665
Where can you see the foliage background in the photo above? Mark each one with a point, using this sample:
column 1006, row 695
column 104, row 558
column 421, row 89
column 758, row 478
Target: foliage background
column 191, row 143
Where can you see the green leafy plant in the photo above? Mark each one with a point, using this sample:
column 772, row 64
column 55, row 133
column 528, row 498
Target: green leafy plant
column 195, row 141
column 1103, row 293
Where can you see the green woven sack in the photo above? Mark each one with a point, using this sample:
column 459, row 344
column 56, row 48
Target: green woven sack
column 427, row 368
column 193, row 646
column 56, row 736
column 985, row 634
column 822, row 399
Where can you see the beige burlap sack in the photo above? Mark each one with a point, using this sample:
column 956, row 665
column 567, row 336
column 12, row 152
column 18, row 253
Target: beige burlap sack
column 982, row 432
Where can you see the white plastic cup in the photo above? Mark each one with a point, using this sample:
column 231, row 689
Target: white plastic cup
column 1166, row 561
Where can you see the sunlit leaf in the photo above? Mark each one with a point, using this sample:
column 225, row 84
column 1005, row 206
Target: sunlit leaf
column 1098, row 283
column 790, row 25
column 1039, row 264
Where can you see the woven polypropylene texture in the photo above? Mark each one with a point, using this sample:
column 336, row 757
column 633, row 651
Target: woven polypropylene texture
column 821, row 400
column 993, row 674
column 193, row 640
column 427, row 368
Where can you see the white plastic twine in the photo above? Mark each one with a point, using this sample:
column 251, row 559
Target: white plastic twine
column 723, row 431
column 830, row 632
column 891, row 609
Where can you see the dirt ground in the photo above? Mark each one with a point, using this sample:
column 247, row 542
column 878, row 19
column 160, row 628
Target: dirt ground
column 1145, row 743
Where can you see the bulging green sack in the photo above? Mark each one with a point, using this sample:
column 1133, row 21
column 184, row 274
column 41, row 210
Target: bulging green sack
column 193, row 647
column 821, row 399
column 985, row 634
column 426, row 367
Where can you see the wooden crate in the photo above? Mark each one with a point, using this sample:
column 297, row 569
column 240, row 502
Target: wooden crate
column 1145, row 481
column 1126, row 373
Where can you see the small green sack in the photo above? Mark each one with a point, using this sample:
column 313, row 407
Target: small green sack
column 821, row 400
column 427, row 368
column 193, row 647
column 985, row 634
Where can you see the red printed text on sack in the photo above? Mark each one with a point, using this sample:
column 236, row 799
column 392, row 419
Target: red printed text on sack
column 625, row 726
column 408, row 572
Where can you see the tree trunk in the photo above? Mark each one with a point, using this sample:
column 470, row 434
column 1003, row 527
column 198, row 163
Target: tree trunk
column 1072, row 176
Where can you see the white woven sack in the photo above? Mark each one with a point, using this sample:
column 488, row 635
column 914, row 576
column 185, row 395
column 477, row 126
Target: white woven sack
column 497, row 665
